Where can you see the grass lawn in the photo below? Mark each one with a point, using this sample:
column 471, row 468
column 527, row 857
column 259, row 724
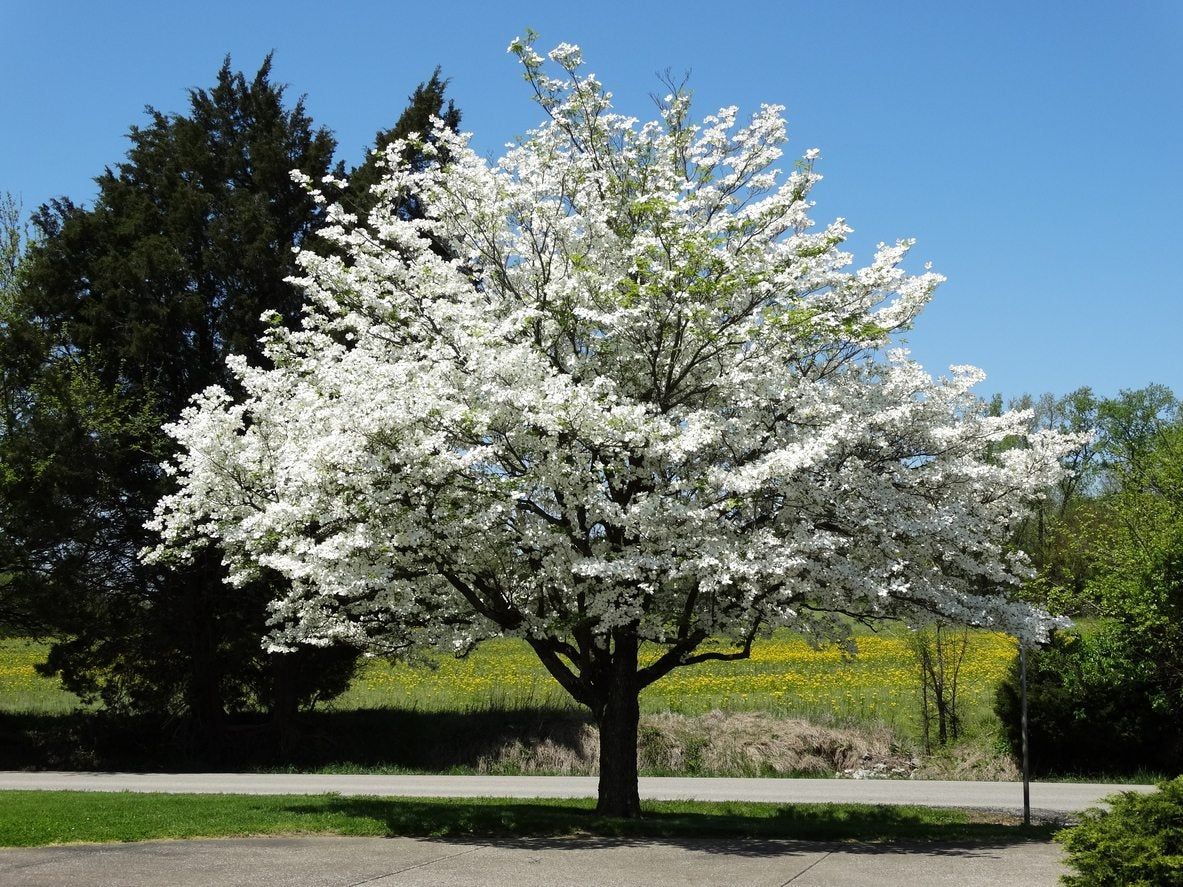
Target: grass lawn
column 32, row 818
column 784, row 677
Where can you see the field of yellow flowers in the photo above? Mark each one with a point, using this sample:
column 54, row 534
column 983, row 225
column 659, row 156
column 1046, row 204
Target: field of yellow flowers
column 21, row 688
column 784, row 676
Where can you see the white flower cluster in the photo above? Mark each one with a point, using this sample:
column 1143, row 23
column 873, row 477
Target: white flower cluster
column 616, row 379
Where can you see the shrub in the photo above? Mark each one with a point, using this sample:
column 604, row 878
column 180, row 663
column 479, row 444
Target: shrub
column 1089, row 710
column 1138, row 842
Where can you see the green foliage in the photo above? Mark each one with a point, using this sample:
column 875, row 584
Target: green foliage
column 1128, row 425
column 1089, row 710
column 1112, row 700
column 111, row 320
column 1139, row 570
column 1138, row 842
column 118, row 314
column 1070, row 528
column 12, row 243
column 1051, row 534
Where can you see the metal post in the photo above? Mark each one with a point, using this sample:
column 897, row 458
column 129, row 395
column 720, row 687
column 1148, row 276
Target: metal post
column 1023, row 706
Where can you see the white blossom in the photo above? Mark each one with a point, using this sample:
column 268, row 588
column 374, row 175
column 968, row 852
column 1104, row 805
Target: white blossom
column 615, row 381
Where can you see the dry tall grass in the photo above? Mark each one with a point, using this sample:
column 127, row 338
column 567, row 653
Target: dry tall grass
column 714, row 744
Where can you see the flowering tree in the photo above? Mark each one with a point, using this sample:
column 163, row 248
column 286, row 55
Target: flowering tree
column 614, row 395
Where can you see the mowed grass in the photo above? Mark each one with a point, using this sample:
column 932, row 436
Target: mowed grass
column 785, row 677
column 32, row 818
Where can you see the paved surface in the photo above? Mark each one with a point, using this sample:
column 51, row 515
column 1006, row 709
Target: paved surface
column 1052, row 797
column 375, row 862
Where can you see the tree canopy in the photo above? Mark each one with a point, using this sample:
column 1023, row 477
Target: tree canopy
column 637, row 405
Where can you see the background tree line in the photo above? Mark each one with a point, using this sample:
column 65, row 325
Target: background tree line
column 1106, row 543
column 1064, row 531
column 1107, row 695
column 111, row 316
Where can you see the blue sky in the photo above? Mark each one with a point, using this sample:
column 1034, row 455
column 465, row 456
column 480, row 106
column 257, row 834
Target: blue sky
column 1034, row 150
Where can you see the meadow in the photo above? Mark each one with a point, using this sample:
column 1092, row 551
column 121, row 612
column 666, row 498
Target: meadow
column 785, row 677
column 21, row 688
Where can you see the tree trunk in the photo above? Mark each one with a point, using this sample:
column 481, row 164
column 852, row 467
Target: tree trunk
column 618, row 718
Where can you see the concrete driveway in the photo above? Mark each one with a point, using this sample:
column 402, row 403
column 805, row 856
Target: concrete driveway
column 588, row 862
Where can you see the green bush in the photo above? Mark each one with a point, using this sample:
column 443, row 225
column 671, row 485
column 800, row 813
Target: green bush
column 1138, row 842
column 1091, row 709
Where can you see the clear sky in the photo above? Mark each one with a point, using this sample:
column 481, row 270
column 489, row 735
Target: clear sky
column 1034, row 149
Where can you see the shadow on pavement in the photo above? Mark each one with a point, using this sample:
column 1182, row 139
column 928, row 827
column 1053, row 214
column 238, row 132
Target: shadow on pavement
column 871, row 829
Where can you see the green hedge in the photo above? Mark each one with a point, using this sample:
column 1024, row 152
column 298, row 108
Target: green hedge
column 1092, row 710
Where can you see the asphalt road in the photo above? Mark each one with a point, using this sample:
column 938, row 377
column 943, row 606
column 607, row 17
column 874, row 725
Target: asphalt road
column 1052, row 797
column 589, row 862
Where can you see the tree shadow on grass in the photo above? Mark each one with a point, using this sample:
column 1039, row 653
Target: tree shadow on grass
column 727, row 829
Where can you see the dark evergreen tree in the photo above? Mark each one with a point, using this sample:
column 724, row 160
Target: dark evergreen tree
column 122, row 312
column 423, row 105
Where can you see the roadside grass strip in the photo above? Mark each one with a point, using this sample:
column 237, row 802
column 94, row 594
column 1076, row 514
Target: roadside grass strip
column 39, row 818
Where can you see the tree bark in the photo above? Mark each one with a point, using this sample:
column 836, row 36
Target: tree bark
column 618, row 719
